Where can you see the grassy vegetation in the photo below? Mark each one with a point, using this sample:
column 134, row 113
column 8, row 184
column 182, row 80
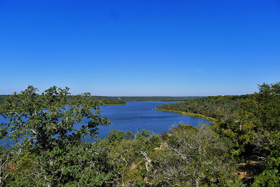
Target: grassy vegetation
column 189, row 114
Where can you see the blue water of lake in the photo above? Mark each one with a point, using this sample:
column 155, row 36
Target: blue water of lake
column 136, row 116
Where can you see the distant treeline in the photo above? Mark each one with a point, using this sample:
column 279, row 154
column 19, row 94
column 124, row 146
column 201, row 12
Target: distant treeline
column 2, row 98
column 71, row 99
column 123, row 99
column 145, row 98
column 106, row 100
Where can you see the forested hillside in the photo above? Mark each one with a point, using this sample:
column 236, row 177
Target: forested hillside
column 246, row 130
column 212, row 106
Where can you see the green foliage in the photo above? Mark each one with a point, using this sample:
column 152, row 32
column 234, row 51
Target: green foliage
column 52, row 153
column 2, row 98
column 47, row 127
column 189, row 156
column 24, row 164
column 129, row 157
column 251, row 122
column 212, row 106
column 194, row 156
column 45, row 120
column 79, row 165
column 255, row 123
column 270, row 176
column 144, row 99
column 115, row 136
column 255, row 131
column 122, row 100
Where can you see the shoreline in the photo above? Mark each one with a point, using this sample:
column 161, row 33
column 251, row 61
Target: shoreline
column 115, row 104
column 188, row 114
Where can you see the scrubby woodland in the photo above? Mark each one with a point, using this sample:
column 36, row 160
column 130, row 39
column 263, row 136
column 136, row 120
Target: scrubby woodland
column 246, row 128
column 210, row 107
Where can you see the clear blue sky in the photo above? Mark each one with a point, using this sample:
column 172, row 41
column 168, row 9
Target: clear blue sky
column 140, row 47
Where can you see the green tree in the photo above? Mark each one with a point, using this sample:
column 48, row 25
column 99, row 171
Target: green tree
column 194, row 157
column 255, row 121
column 47, row 127
column 255, row 131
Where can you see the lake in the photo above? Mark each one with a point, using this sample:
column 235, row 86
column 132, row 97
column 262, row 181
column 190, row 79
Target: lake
column 136, row 116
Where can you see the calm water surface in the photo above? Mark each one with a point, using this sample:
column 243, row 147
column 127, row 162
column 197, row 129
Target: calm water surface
column 136, row 116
